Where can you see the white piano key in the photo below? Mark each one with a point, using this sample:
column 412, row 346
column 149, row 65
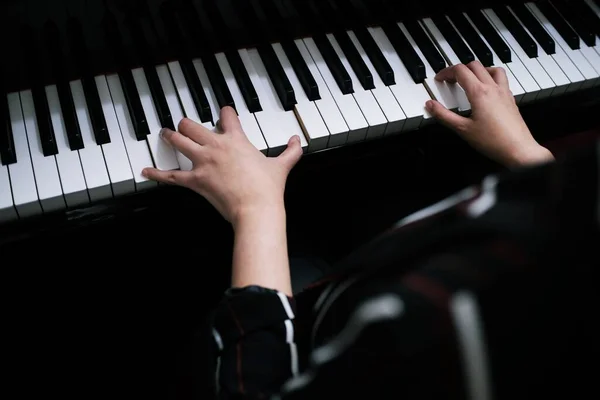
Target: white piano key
column 162, row 153
column 67, row 160
column 8, row 212
column 92, row 159
column 24, row 190
column 532, row 65
column 446, row 49
column 47, row 179
column 575, row 56
column 410, row 95
column 384, row 97
column 174, row 106
column 594, row 7
column 115, row 155
column 550, row 65
column 592, row 54
column 306, row 111
column 364, row 98
column 446, row 93
column 355, row 120
column 247, row 119
column 138, row 152
column 277, row 125
column 336, row 124
column 521, row 83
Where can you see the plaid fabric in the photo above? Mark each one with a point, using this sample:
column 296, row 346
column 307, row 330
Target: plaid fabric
column 487, row 294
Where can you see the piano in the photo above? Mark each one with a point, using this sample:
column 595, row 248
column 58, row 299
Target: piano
column 85, row 87
column 88, row 85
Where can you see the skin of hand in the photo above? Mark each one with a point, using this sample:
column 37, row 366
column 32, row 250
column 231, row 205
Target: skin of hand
column 246, row 187
column 495, row 127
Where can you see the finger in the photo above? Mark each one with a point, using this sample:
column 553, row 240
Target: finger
column 499, row 76
column 459, row 73
column 480, row 72
column 292, row 154
column 180, row 178
column 229, row 121
column 183, row 144
column 195, row 132
column 448, row 118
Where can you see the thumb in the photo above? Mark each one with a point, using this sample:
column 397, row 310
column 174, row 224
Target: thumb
column 291, row 154
column 447, row 117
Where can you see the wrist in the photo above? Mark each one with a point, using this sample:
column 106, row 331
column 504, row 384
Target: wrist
column 261, row 213
column 532, row 155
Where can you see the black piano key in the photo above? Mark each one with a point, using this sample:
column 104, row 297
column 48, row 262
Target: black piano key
column 280, row 81
column 559, row 23
column 354, row 14
column 142, row 38
column 490, row 34
column 243, row 80
column 519, row 33
column 334, row 64
column 407, row 54
column 217, row 81
column 8, row 154
column 575, row 20
column 179, row 41
column 196, row 91
column 63, row 88
column 132, row 97
column 429, row 50
column 483, row 52
column 454, row 40
column 301, row 69
column 588, row 14
column 356, row 62
column 279, row 14
column 44, row 121
column 159, row 98
column 92, row 99
column 535, row 28
column 40, row 100
column 69, row 113
column 134, row 104
column 383, row 68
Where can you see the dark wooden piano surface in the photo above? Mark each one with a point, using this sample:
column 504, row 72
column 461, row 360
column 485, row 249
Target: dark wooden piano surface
column 114, row 298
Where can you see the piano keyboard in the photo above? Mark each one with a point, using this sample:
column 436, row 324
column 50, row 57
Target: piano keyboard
column 64, row 146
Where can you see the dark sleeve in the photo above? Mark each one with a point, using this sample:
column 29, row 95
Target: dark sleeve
column 253, row 329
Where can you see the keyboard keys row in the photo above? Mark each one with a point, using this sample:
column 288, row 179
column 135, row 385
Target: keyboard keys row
column 72, row 143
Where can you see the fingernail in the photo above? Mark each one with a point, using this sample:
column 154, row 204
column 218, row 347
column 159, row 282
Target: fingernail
column 297, row 138
column 429, row 105
column 145, row 173
column 164, row 132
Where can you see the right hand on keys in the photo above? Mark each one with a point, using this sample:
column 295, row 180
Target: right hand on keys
column 495, row 128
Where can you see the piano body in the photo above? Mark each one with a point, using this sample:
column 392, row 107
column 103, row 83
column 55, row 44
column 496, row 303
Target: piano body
column 86, row 86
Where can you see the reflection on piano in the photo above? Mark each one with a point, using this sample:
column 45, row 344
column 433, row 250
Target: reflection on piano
column 90, row 84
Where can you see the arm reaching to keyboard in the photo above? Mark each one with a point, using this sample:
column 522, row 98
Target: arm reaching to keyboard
column 495, row 128
column 252, row 323
column 245, row 187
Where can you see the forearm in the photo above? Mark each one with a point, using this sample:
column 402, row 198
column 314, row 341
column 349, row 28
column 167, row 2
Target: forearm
column 260, row 255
